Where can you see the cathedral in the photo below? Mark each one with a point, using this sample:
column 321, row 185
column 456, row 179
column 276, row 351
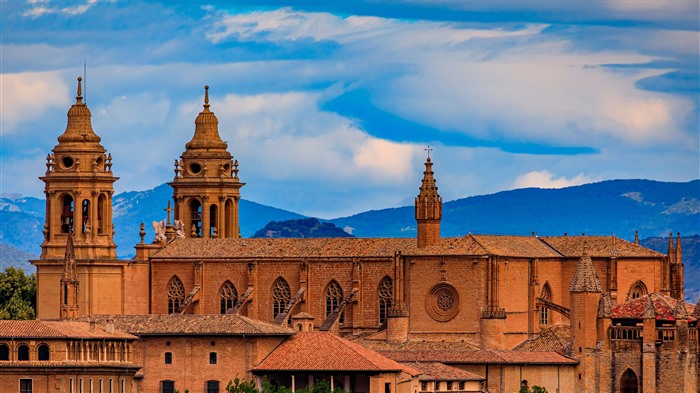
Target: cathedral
column 199, row 305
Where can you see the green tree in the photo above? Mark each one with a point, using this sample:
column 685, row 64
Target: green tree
column 241, row 386
column 17, row 294
column 535, row 389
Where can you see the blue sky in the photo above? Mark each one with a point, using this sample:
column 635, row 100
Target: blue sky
column 328, row 106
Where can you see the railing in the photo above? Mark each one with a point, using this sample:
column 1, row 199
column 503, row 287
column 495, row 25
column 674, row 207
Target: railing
column 626, row 333
column 666, row 334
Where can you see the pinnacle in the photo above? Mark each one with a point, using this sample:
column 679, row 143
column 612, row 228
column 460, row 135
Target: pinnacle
column 585, row 279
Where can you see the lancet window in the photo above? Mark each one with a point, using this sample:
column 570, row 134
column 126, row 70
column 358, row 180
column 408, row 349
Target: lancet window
column 544, row 311
column 385, row 296
column 637, row 290
column 334, row 296
column 176, row 295
column 228, row 296
column 281, row 296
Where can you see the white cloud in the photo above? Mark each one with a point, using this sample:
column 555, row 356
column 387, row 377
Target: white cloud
column 546, row 179
column 26, row 96
column 41, row 7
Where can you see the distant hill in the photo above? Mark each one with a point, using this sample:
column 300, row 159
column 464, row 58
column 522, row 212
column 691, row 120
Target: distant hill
column 10, row 256
column 616, row 206
column 301, row 228
column 691, row 260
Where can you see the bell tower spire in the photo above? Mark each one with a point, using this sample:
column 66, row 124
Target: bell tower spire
column 78, row 184
column 428, row 207
column 206, row 187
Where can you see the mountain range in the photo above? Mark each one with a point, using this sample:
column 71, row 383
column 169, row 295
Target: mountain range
column 617, row 207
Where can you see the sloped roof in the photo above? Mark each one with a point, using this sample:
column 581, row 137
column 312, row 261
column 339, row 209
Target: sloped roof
column 479, row 357
column 555, row 338
column 598, row 247
column 663, row 308
column 516, row 246
column 435, row 371
column 193, row 324
column 202, row 248
column 58, row 330
column 323, row 351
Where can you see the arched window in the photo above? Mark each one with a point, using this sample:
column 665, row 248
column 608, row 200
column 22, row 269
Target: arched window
column 385, row 295
column 228, row 296
column 629, row 382
column 228, row 218
column 212, row 387
column 43, row 352
column 23, row 352
column 334, row 296
column 214, row 222
column 86, row 215
column 544, row 311
column 176, row 295
column 637, row 290
column 4, row 352
column 101, row 214
column 281, row 296
column 196, row 211
column 66, row 214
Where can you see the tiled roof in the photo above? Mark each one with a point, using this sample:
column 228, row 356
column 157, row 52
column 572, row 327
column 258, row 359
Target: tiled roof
column 380, row 345
column 479, row 357
column 465, row 245
column 585, row 278
column 284, row 248
column 598, row 247
column 516, row 246
column 662, row 307
column 57, row 329
column 322, row 351
column 555, row 338
column 303, row 315
column 192, row 324
column 435, row 371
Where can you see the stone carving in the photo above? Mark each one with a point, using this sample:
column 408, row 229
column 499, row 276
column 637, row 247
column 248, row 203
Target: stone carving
column 159, row 228
column 442, row 302
column 179, row 229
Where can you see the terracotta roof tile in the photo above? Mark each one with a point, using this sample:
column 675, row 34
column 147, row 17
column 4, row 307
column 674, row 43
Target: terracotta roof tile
column 555, row 338
column 57, row 329
column 479, row 357
column 192, row 324
column 598, row 247
column 323, row 351
column 663, row 307
column 516, row 246
column 435, row 371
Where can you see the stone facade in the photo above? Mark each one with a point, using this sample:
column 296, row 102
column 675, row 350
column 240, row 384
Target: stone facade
column 487, row 293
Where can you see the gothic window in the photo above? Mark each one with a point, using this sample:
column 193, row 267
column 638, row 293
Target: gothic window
column 334, row 296
column 66, row 214
column 385, row 294
column 637, row 290
column 43, row 352
column 176, row 295
column 23, row 352
column 629, row 382
column 228, row 296
column 281, row 296
column 4, row 352
column 544, row 311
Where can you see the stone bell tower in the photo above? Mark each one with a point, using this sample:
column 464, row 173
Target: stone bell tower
column 206, row 188
column 79, row 188
column 78, row 248
column 428, row 208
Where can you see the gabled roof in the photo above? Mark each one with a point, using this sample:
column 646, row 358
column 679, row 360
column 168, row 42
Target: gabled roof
column 480, row 357
column 663, row 307
column 598, row 247
column 58, row 330
column 323, row 351
column 435, row 371
column 193, row 325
